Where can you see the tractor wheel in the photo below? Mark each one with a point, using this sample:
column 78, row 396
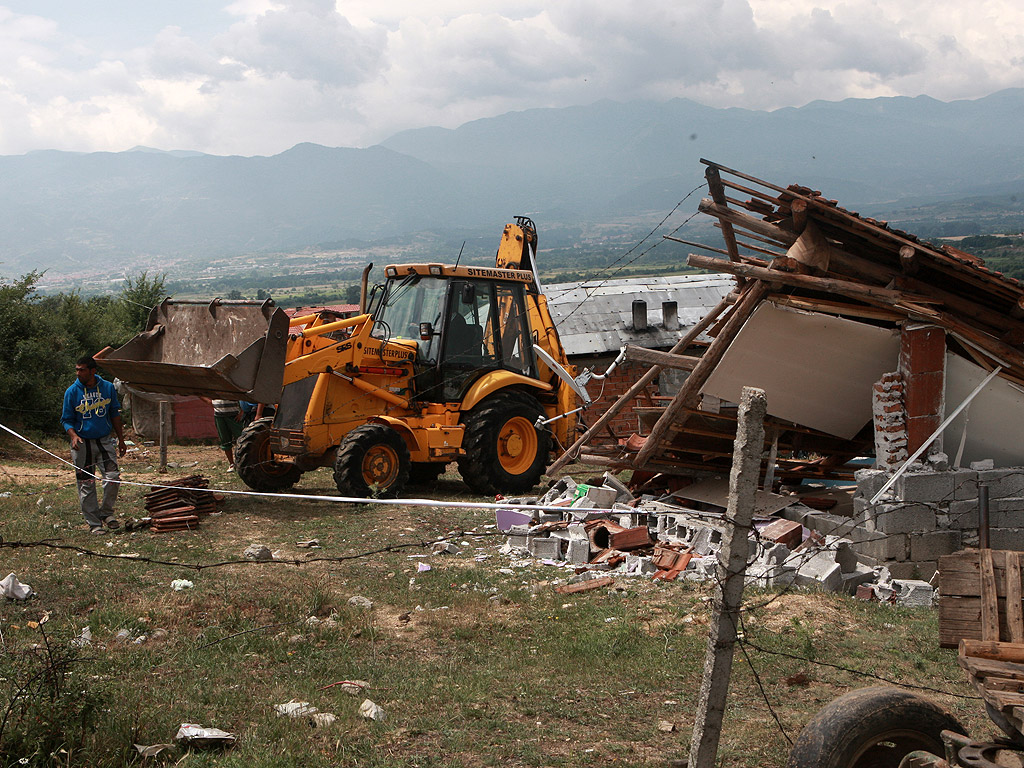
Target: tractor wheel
column 255, row 462
column 505, row 452
column 372, row 461
column 871, row 728
column 425, row 473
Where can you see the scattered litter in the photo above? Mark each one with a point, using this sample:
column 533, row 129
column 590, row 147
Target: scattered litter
column 179, row 584
column 665, row 726
column 360, row 602
column 311, row 544
column 371, row 711
column 322, row 719
column 259, row 553
column 444, row 548
column 201, row 737
column 13, row 589
column 421, row 567
column 351, row 687
column 84, row 638
column 152, row 750
column 295, row 708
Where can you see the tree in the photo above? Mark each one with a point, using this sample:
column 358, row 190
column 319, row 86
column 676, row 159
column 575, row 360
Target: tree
column 138, row 296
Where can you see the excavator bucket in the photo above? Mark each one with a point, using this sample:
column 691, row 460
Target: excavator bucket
column 223, row 349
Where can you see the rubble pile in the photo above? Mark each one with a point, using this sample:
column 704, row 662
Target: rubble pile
column 668, row 540
column 178, row 508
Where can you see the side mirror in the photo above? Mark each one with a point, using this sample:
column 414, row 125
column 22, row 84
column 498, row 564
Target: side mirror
column 426, row 331
column 468, row 293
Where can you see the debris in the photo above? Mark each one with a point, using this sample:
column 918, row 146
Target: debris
column 584, row 586
column 311, row 544
column 322, row 719
column 13, row 589
column 371, row 711
column 295, row 709
column 84, row 638
column 351, row 687
column 179, row 584
column 151, row 750
column 360, row 602
column 421, row 567
column 665, row 726
column 200, row 737
column 259, row 553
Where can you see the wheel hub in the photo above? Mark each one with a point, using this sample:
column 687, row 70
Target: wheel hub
column 517, row 445
column 380, row 466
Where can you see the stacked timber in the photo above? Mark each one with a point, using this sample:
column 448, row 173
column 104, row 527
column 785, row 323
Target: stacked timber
column 176, row 504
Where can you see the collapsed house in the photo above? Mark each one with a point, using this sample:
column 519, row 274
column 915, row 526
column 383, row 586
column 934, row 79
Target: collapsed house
column 644, row 312
column 865, row 339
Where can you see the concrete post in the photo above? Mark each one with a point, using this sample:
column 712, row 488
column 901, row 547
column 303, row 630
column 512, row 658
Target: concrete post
column 732, row 566
column 164, row 429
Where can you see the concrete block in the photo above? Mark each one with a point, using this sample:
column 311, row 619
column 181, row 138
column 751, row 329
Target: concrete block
column 520, row 541
column 925, row 486
column 963, row 515
column 913, row 593
column 1006, row 538
column 983, row 465
column 861, row 574
column 881, row 546
column 869, row 482
column 640, row 565
column 932, row 546
column 623, row 493
column 787, row 532
column 965, row 484
column 923, row 570
column 843, row 552
column 820, row 570
column 907, row 517
column 546, row 548
column 1003, row 482
column 1006, row 513
column 578, row 551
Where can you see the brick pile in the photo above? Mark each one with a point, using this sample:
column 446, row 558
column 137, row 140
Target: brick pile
column 178, row 508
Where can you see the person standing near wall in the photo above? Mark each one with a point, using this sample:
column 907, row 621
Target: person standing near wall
column 91, row 412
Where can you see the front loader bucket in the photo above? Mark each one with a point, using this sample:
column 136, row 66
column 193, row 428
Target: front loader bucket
column 233, row 350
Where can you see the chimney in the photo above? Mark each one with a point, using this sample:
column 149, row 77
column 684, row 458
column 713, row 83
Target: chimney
column 670, row 314
column 639, row 315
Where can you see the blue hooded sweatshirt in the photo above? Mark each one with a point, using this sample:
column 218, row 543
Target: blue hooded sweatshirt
column 90, row 410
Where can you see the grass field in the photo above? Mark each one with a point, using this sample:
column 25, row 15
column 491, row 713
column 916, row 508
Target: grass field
column 475, row 662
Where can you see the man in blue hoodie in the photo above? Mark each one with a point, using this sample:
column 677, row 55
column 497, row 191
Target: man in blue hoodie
column 91, row 412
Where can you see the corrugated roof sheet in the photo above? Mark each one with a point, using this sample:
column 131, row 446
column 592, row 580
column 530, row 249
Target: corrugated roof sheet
column 596, row 317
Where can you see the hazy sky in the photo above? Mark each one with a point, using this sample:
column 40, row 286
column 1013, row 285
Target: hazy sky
column 257, row 77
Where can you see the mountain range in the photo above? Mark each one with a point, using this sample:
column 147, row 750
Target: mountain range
column 572, row 169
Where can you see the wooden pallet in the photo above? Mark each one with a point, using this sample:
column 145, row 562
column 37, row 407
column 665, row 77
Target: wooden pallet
column 980, row 597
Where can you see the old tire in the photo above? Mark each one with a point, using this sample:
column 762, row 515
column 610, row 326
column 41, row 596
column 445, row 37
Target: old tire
column 505, row 452
column 372, row 462
column 871, row 728
column 255, row 463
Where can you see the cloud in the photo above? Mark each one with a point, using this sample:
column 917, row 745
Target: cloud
column 279, row 72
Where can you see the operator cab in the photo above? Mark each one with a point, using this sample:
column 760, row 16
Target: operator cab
column 463, row 321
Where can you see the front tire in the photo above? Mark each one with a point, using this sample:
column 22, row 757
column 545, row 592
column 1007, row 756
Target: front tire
column 255, row 462
column 871, row 728
column 372, row 461
column 505, row 452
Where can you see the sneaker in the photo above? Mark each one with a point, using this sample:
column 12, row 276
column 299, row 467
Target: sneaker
column 98, row 531
column 111, row 522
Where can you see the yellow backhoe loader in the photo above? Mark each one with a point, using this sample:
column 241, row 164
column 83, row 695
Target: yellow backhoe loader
column 445, row 363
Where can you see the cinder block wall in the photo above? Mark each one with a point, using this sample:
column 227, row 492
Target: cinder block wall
column 928, row 513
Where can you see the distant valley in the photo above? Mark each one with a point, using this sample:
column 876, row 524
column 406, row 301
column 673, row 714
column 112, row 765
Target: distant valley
column 595, row 178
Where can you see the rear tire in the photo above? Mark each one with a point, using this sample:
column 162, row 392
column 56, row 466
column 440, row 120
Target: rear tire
column 871, row 728
column 372, row 462
column 505, row 452
column 255, row 462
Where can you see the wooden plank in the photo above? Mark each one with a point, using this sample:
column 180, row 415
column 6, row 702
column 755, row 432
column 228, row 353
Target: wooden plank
column 1014, row 615
column 989, row 602
column 984, row 668
column 718, row 193
column 830, row 307
column 664, row 359
column 987, row 649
